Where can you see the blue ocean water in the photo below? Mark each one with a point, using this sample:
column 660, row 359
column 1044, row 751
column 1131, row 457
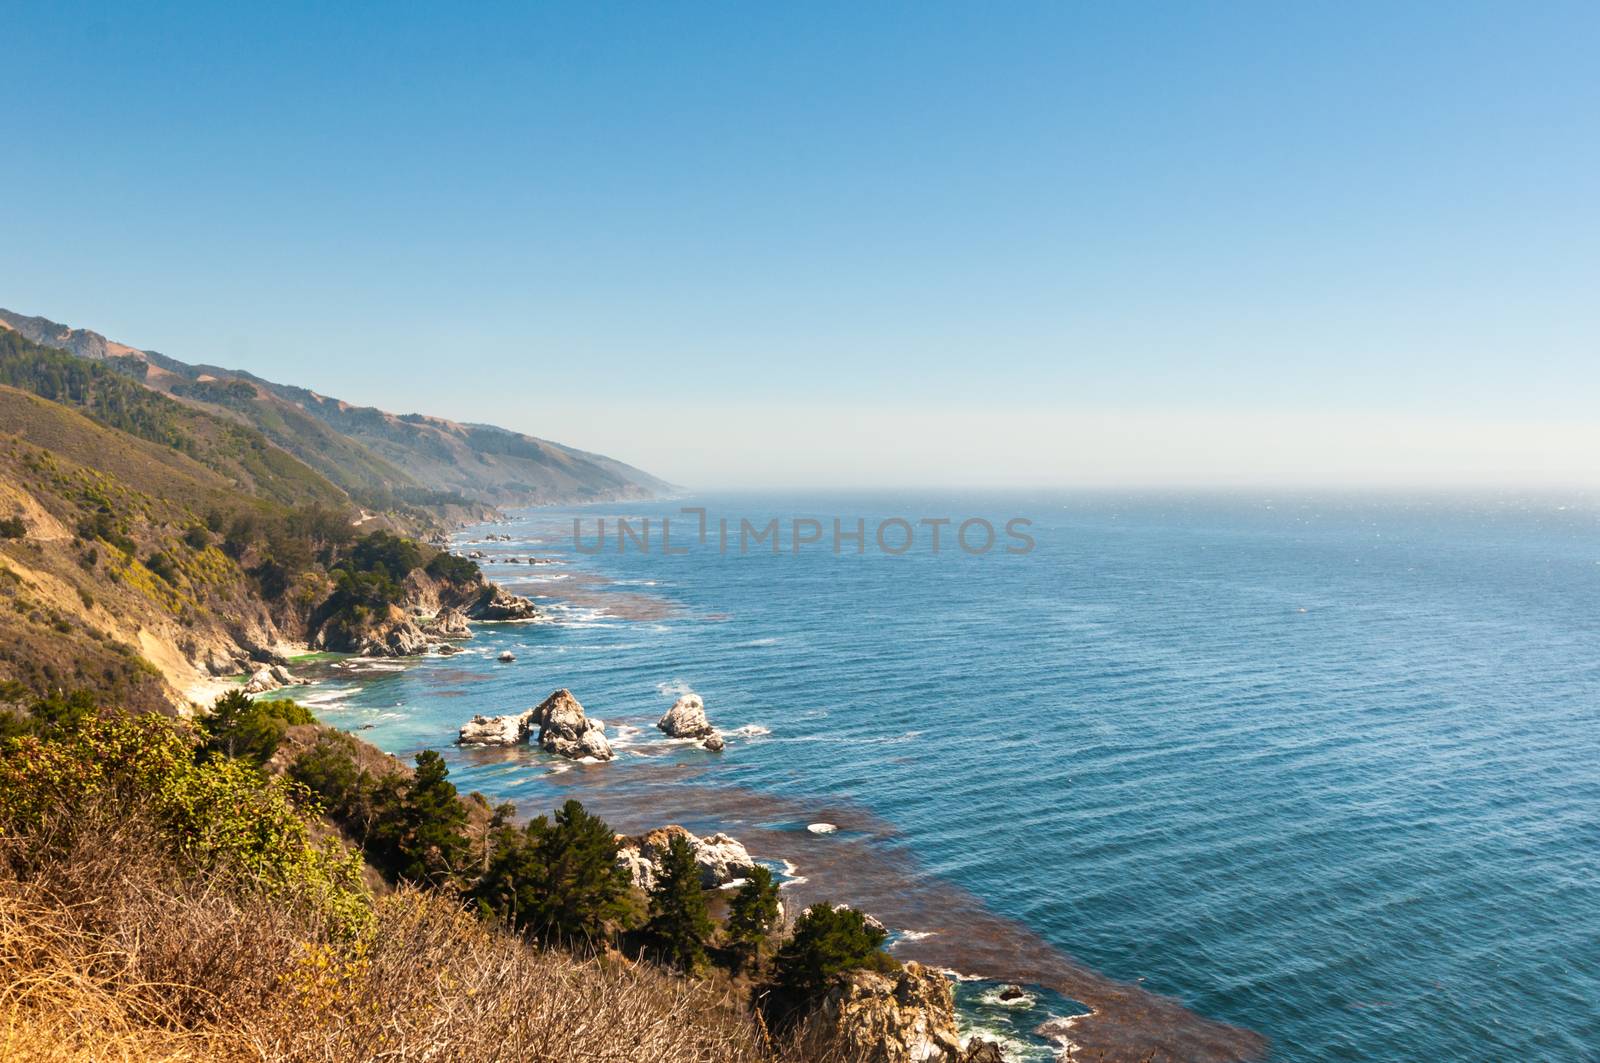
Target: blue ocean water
column 1324, row 768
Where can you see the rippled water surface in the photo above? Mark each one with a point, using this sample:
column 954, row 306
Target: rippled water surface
column 1326, row 769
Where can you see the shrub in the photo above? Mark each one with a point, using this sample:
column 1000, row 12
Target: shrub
column 679, row 925
column 163, row 566
column 431, row 848
column 452, row 569
column 384, row 552
column 218, row 816
column 12, row 528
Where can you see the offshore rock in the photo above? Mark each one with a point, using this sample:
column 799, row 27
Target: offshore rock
column 686, row 718
column 565, row 730
column 497, row 603
column 495, row 730
column 559, row 721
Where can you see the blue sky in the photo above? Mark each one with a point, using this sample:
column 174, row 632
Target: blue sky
column 928, row 242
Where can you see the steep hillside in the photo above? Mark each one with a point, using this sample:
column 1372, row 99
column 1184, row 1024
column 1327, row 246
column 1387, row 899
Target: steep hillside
column 380, row 459
column 237, row 452
column 109, row 578
column 136, row 565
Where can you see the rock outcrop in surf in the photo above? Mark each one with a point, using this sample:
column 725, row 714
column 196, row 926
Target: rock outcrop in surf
column 561, row 725
column 687, row 719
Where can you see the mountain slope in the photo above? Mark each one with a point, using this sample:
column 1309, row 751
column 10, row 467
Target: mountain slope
column 235, row 451
column 109, row 579
column 379, row 458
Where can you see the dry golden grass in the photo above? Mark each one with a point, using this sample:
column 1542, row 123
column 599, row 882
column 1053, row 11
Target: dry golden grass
column 109, row 953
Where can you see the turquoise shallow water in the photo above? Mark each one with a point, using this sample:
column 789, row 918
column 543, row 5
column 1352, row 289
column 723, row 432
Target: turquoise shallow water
column 1324, row 768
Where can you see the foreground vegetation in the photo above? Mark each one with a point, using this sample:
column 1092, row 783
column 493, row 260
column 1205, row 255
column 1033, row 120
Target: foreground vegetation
column 174, row 891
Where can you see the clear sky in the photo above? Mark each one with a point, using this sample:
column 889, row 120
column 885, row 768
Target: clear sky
column 920, row 243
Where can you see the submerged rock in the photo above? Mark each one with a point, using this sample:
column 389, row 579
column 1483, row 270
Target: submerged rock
column 686, row 718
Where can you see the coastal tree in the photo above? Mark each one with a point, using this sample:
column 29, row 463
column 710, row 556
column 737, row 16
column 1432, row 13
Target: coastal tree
column 432, row 847
column 752, row 914
column 248, row 728
column 558, row 881
column 827, row 941
column 679, row 925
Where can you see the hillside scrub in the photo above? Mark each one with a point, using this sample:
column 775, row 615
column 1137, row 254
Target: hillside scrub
column 161, row 899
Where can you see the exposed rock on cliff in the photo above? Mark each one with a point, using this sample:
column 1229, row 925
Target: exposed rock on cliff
column 719, row 858
column 449, row 623
column 271, row 677
column 867, row 1017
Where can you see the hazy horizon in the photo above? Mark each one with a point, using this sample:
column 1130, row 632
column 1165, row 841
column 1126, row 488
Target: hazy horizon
column 925, row 245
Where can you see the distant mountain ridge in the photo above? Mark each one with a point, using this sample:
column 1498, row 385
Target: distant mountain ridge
column 379, row 458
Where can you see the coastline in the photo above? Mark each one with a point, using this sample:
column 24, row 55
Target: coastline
column 932, row 921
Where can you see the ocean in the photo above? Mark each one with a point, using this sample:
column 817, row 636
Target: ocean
column 1314, row 777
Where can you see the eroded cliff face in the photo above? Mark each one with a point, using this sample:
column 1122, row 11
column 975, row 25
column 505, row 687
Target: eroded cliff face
column 904, row 1017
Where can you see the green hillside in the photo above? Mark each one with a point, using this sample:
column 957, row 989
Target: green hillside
column 382, row 461
column 238, row 452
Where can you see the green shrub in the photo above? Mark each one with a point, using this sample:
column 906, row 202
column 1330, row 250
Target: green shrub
column 558, row 881
column 12, row 528
column 249, row 728
column 218, row 815
column 162, row 565
column 452, row 569
column 431, row 848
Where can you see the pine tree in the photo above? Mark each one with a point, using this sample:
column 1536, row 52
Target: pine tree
column 678, row 923
column 432, row 847
column 827, row 941
column 752, row 913
column 580, row 894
